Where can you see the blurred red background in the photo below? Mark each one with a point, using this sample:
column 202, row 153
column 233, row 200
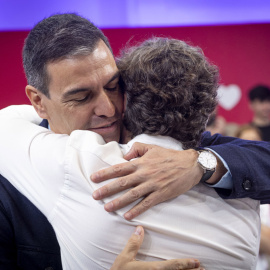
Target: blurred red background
column 241, row 52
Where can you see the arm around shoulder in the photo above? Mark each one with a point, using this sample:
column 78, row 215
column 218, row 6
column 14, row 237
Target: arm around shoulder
column 248, row 162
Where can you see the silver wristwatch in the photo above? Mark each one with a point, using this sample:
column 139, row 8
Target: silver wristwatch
column 208, row 162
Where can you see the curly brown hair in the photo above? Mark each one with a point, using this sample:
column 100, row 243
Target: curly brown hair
column 171, row 89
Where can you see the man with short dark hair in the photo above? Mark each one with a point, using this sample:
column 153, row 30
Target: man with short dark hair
column 170, row 90
column 259, row 102
column 73, row 84
column 81, row 80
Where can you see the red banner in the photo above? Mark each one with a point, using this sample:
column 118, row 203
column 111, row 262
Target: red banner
column 241, row 52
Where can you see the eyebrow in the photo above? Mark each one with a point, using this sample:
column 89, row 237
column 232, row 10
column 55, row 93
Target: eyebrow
column 79, row 90
column 115, row 76
column 73, row 92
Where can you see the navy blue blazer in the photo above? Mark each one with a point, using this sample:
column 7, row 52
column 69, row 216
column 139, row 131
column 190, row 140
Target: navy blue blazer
column 249, row 163
column 28, row 241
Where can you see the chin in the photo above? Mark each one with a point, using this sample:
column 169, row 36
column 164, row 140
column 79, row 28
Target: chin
column 111, row 138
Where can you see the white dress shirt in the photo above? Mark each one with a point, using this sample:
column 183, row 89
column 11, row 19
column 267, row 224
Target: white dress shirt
column 53, row 171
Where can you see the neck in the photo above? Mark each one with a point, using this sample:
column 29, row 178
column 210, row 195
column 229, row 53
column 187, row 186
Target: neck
column 126, row 136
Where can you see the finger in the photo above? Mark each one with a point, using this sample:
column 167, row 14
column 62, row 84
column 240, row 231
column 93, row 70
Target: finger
column 114, row 171
column 138, row 150
column 129, row 197
column 134, row 243
column 148, row 202
column 178, row 264
column 130, row 251
column 115, row 186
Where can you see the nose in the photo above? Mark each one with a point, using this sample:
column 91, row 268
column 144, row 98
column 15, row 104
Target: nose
column 104, row 105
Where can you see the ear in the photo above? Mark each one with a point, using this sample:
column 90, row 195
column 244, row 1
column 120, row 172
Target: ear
column 37, row 100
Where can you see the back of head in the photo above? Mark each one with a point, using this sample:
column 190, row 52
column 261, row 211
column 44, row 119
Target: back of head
column 54, row 38
column 171, row 89
column 260, row 92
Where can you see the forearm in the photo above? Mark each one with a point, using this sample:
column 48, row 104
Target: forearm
column 248, row 165
column 218, row 174
column 220, row 170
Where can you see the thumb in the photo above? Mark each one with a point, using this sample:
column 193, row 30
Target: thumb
column 137, row 150
column 134, row 243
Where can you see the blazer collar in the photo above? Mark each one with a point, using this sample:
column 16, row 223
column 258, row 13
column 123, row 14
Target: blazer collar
column 44, row 123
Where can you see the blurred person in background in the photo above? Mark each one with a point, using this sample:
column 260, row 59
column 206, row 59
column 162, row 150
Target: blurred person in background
column 249, row 132
column 259, row 102
column 218, row 124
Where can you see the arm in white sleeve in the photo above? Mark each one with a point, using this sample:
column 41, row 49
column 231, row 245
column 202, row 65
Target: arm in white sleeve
column 25, row 112
column 27, row 151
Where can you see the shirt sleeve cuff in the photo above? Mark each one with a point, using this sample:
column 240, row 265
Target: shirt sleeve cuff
column 226, row 181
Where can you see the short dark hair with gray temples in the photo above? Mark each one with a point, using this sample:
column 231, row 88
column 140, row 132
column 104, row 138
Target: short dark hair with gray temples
column 57, row 37
column 171, row 89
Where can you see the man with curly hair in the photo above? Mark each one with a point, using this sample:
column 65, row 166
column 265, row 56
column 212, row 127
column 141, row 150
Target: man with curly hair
column 170, row 91
column 176, row 81
column 73, row 84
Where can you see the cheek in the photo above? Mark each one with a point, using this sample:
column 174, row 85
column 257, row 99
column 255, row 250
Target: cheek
column 82, row 118
column 69, row 122
column 265, row 108
column 258, row 108
column 69, row 118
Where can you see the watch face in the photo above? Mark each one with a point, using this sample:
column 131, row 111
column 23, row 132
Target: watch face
column 207, row 160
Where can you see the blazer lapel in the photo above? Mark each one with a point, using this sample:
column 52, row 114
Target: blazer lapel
column 44, row 123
